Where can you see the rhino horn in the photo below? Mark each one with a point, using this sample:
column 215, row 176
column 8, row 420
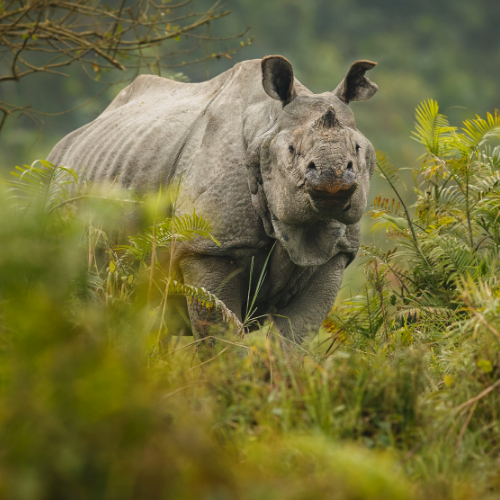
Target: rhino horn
column 355, row 86
column 328, row 119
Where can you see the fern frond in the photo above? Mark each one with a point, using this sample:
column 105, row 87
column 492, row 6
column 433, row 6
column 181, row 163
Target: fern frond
column 431, row 127
column 451, row 198
column 88, row 285
column 205, row 299
column 478, row 130
column 386, row 220
column 46, row 186
column 184, row 228
column 387, row 171
column 493, row 156
column 454, row 258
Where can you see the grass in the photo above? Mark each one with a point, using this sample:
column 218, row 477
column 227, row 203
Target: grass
column 397, row 397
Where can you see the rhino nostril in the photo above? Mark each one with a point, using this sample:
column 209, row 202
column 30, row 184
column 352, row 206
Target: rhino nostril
column 311, row 166
column 349, row 167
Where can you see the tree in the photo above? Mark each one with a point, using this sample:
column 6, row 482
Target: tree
column 46, row 36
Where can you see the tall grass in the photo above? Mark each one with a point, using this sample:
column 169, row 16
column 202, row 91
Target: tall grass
column 396, row 397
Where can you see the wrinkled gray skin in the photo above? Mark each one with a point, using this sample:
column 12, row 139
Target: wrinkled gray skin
column 264, row 160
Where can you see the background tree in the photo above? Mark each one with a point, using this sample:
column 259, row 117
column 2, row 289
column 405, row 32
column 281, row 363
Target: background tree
column 47, row 36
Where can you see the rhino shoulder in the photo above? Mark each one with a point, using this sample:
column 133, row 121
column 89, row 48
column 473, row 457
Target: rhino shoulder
column 144, row 85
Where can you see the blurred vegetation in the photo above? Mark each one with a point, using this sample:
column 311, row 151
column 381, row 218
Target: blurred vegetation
column 396, row 397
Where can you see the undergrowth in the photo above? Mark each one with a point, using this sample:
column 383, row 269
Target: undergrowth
column 396, row 397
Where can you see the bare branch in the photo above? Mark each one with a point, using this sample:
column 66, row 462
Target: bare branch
column 43, row 36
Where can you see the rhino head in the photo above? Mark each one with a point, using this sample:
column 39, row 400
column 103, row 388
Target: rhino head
column 315, row 166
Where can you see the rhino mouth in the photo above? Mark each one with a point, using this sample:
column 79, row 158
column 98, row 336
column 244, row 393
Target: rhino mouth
column 328, row 201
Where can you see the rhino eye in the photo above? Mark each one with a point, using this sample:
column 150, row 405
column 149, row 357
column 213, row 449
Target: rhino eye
column 358, row 147
column 291, row 148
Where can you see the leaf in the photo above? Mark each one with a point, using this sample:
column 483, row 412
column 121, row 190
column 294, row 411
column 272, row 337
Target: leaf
column 184, row 228
column 432, row 127
column 485, row 365
column 206, row 300
column 112, row 266
column 389, row 172
column 47, row 186
column 478, row 130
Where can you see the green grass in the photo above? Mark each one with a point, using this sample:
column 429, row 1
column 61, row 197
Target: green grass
column 397, row 397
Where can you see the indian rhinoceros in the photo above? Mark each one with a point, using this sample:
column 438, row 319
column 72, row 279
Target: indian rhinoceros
column 262, row 158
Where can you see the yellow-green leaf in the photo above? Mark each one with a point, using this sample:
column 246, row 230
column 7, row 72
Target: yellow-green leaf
column 485, row 365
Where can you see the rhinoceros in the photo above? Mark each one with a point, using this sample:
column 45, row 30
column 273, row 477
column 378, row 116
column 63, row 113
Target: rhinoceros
column 273, row 167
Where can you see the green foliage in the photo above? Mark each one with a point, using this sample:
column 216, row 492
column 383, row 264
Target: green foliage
column 453, row 235
column 46, row 187
column 437, row 289
column 161, row 235
column 431, row 126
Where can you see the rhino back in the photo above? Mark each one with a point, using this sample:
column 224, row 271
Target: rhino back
column 158, row 131
column 135, row 136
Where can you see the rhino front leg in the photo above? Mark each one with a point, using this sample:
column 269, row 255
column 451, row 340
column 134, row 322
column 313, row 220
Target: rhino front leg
column 220, row 276
column 307, row 310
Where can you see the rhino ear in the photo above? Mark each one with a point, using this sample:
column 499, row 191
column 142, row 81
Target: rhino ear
column 277, row 78
column 355, row 86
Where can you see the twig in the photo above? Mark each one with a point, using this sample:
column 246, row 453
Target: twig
column 183, row 388
column 379, row 289
column 480, row 317
column 483, row 240
column 479, row 396
column 205, row 338
column 208, row 360
column 81, row 197
column 407, row 214
column 464, row 426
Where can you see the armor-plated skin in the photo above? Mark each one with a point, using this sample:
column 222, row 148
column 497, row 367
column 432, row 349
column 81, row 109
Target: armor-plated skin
column 265, row 160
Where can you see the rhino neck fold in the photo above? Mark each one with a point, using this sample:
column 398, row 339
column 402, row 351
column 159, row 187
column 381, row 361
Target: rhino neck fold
column 312, row 244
